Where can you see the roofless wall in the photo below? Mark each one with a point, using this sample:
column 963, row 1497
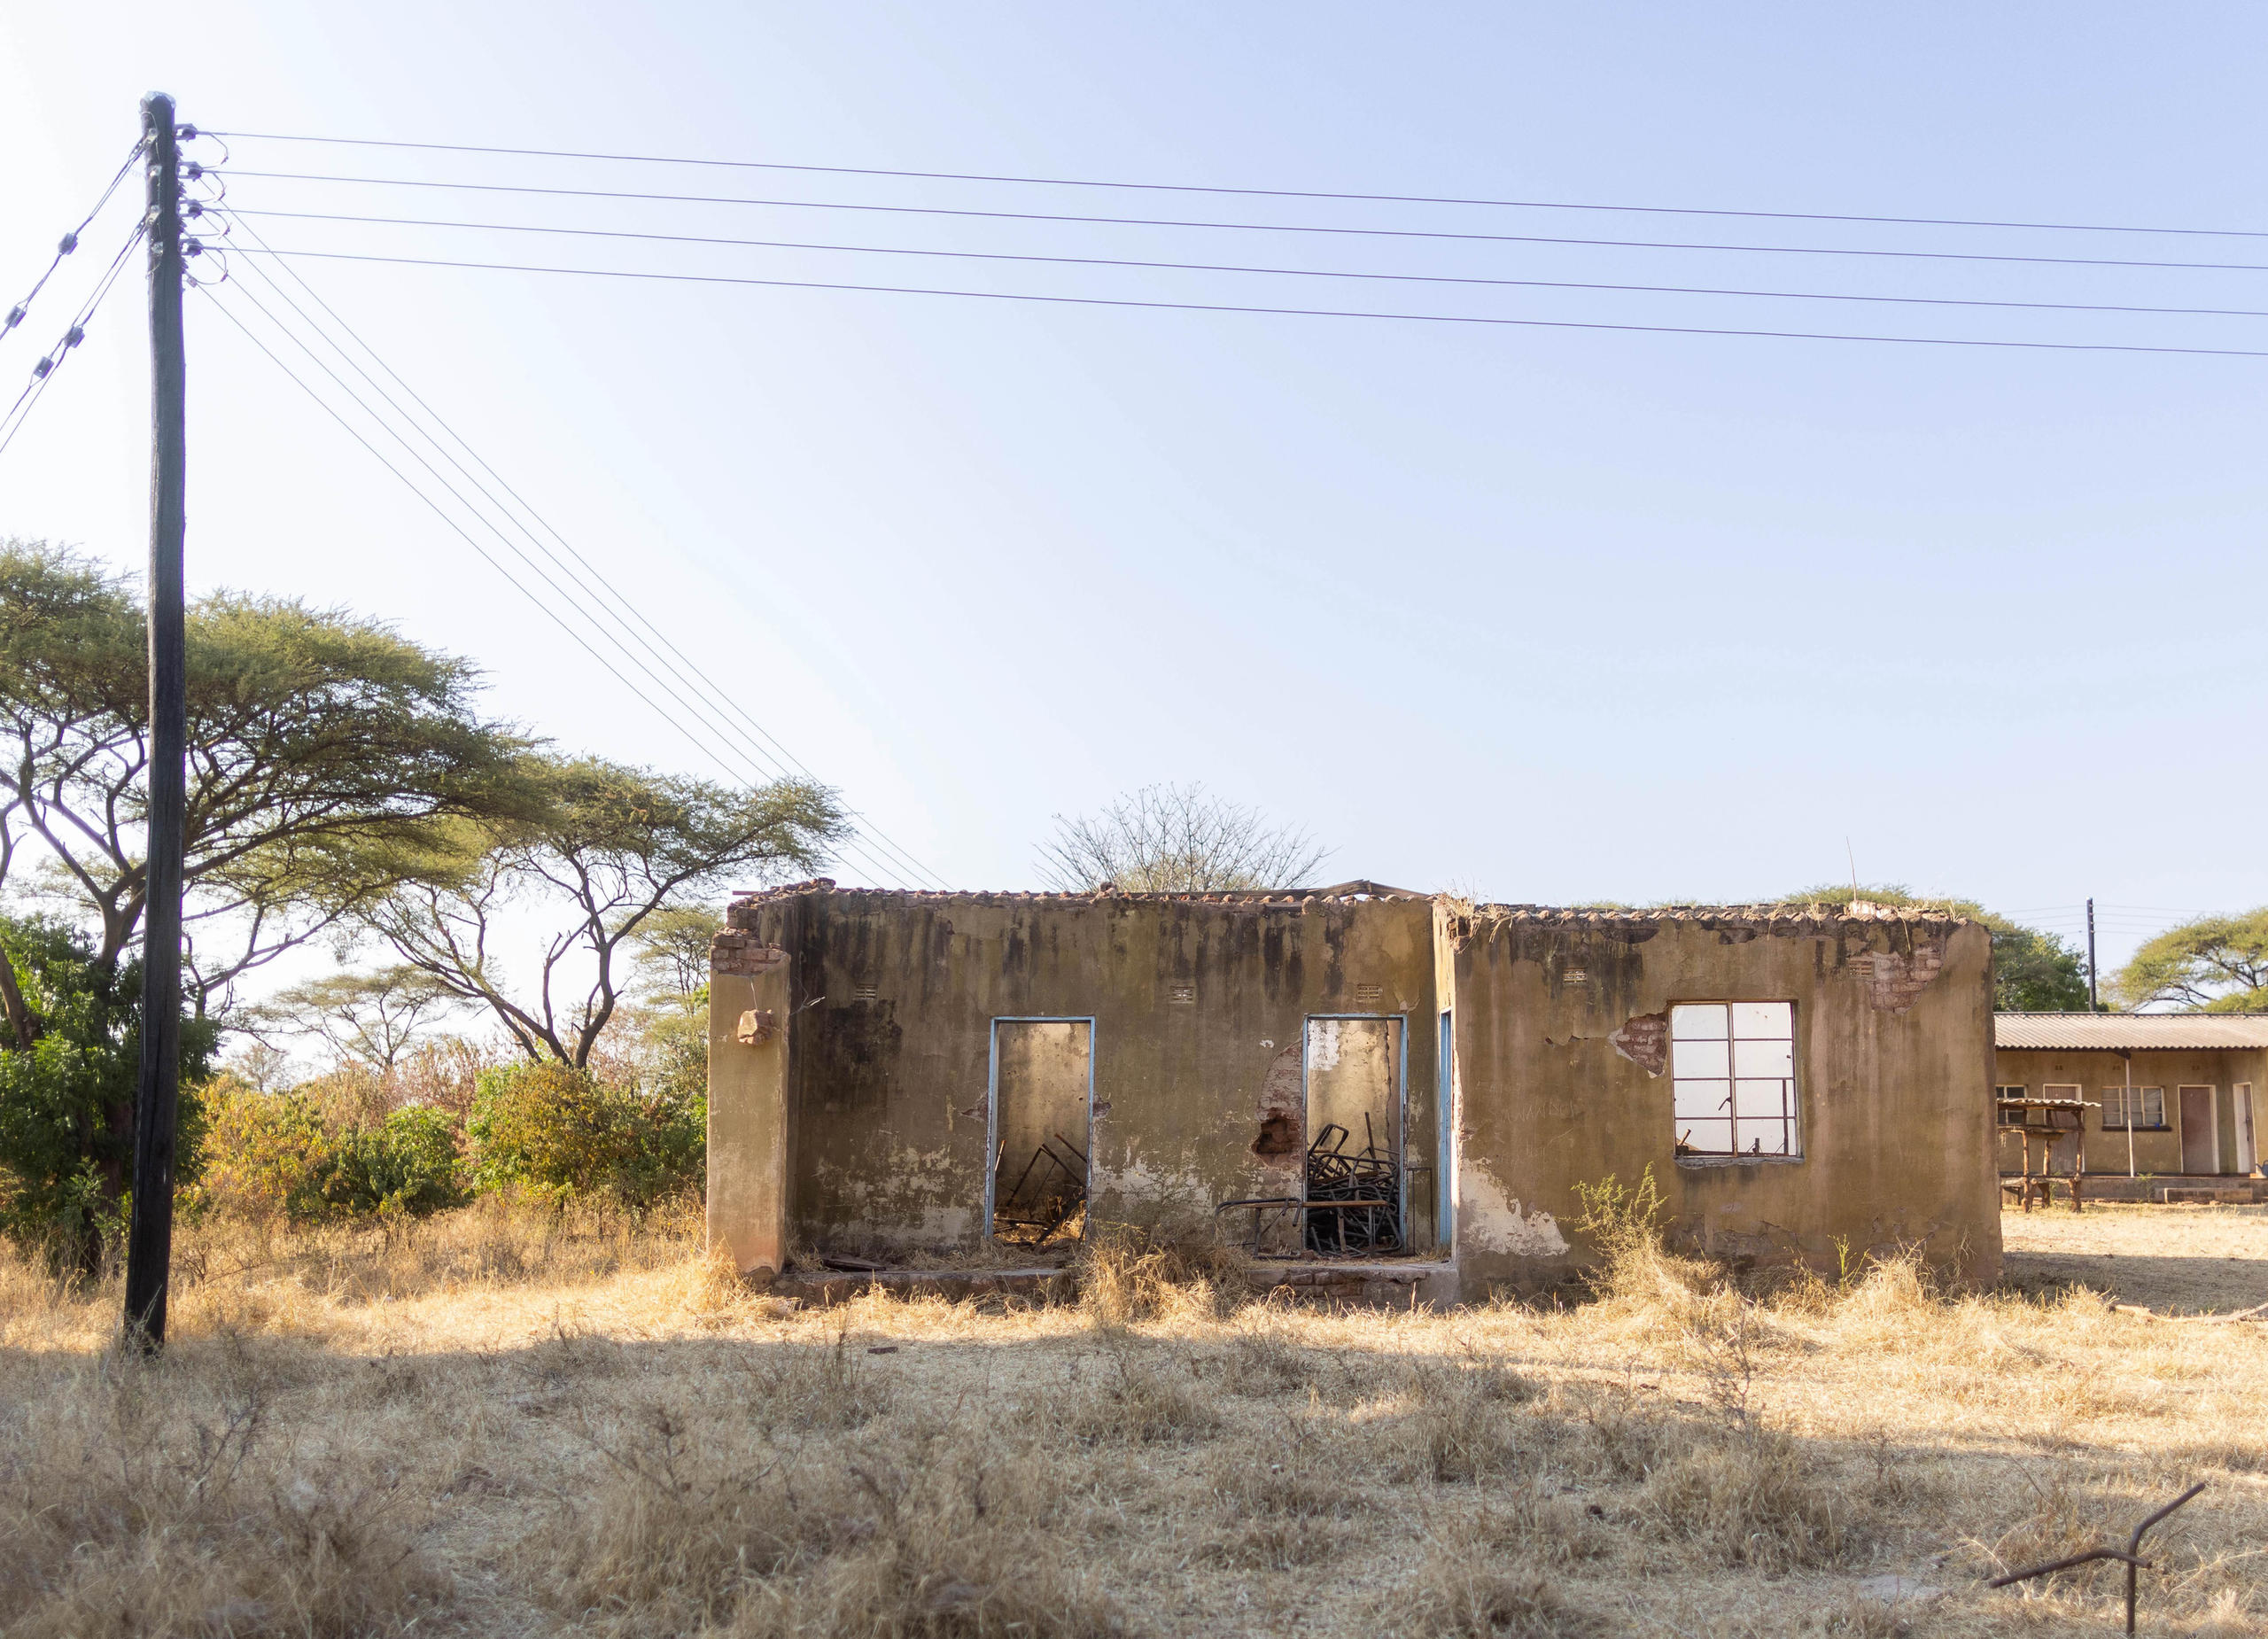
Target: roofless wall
column 894, row 1076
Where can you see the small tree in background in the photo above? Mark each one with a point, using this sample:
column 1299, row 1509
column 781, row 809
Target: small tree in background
column 373, row 1018
column 2216, row 964
column 1176, row 839
column 2032, row 971
column 672, row 948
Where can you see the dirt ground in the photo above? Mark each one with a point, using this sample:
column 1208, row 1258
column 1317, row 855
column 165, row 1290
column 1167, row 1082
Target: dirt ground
column 493, row 1425
column 2175, row 1260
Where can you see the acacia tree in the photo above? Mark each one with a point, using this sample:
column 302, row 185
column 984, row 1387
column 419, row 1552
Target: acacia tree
column 608, row 849
column 2216, row 964
column 372, row 1017
column 1176, row 839
column 671, row 947
column 324, row 754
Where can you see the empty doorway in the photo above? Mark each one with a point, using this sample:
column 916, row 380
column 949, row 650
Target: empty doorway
column 2201, row 1145
column 1042, row 1098
column 1354, row 1179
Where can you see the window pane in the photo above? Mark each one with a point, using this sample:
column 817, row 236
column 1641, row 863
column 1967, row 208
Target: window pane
column 1703, row 1100
column 2153, row 1106
column 1705, row 1138
column 1762, row 1137
column 1763, row 1058
column 1760, row 1099
column 1694, row 1021
column 1763, row 1018
column 1699, row 1059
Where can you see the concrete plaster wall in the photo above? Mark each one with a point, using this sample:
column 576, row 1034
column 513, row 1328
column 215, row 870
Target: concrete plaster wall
column 751, row 1115
column 892, row 999
column 2093, row 1072
column 1562, row 1079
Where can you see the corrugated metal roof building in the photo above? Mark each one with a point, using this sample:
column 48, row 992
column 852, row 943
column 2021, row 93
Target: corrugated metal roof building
column 2167, row 1093
column 2130, row 1032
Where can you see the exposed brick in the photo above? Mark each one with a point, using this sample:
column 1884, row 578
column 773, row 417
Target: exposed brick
column 743, row 955
column 1644, row 1041
column 1894, row 978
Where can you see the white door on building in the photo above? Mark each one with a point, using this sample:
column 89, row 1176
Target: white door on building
column 2247, row 1146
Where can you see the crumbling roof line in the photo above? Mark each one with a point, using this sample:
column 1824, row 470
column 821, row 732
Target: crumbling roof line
column 1801, row 916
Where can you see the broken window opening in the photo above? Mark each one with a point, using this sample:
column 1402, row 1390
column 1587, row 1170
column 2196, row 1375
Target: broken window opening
column 1042, row 1079
column 1732, row 1080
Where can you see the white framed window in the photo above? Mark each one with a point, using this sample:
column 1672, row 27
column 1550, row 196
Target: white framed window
column 1733, row 1079
column 2009, row 1118
column 2142, row 1109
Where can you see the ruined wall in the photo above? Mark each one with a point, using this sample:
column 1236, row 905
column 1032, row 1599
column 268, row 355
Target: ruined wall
column 1562, row 1067
column 1199, row 1009
column 2093, row 1072
column 751, row 1115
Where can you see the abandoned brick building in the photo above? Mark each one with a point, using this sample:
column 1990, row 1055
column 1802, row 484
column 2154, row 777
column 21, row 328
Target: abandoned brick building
column 1356, row 1073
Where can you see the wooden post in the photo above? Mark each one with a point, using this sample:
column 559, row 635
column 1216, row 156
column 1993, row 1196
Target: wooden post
column 149, row 1245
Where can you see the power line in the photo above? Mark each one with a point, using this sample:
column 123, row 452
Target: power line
column 668, row 656
column 1257, row 193
column 1238, row 227
column 438, row 510
column 1302, row 273
column 684, row 673
column 69, row 243
column 1309, row 312
column 51, row 363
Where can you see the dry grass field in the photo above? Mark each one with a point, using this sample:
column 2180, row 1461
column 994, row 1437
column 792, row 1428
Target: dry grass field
column 492, row 1425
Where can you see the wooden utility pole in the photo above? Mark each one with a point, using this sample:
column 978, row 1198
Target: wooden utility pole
column 150, row 1237
column 2092, row 1005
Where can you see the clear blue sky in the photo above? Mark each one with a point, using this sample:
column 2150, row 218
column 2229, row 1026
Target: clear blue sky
column 1547, row 614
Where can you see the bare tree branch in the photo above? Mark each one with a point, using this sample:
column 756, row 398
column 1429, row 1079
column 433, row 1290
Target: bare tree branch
column 1176, row 839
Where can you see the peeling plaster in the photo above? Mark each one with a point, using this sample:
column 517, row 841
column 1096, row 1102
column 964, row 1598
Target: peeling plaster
column 1490, row 1221
column 1136, row 1180
column 923, row 1186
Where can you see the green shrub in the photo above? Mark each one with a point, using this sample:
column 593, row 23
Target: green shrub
column 407, row 1163
column 553, row 1131
column 66, row 1103
column 282, row 1153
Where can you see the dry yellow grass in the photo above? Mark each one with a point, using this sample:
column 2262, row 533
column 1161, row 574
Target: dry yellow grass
column 489, row 1424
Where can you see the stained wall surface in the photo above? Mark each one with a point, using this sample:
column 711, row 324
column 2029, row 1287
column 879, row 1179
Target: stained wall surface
column 1563, row 1071
column 1199, row 1008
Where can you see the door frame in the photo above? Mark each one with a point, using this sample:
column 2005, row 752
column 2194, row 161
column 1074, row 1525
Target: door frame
column 2246, row 1119
column 1445, row 1114
column 1400, row 1113
column 2212, row 1125
column 992, row 1099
